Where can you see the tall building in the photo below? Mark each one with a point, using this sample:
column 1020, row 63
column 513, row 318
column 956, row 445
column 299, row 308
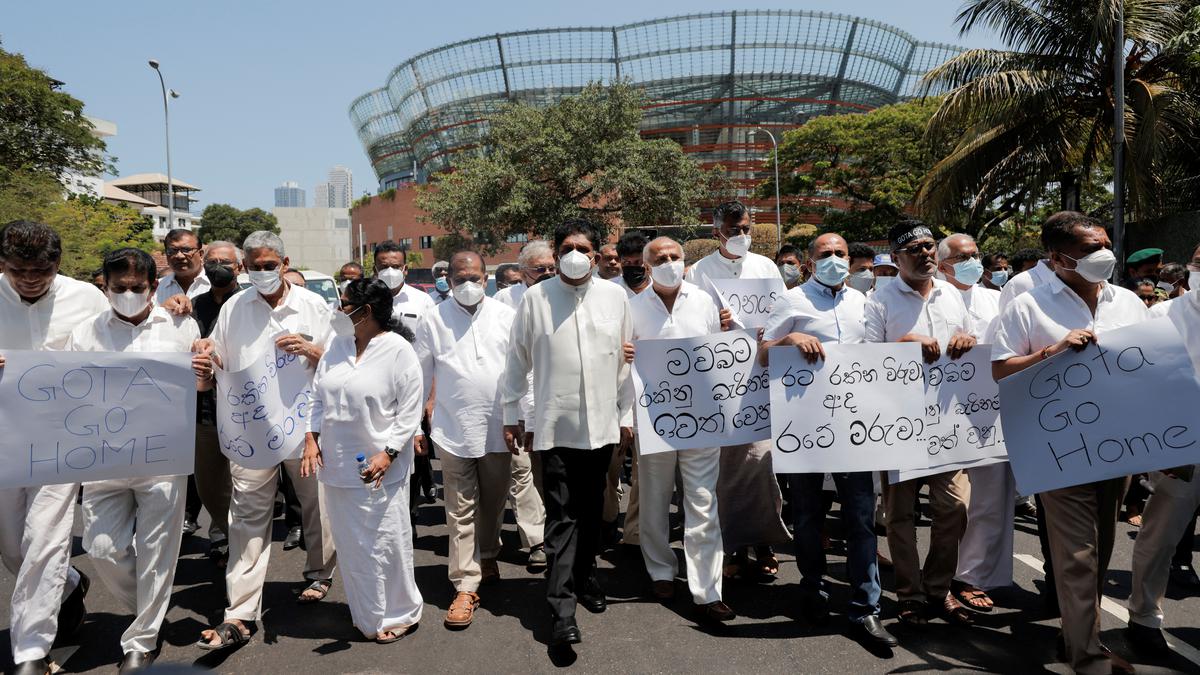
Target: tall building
column 316, row 238
column 321, row 196
column 337, row 192
column 290, row 194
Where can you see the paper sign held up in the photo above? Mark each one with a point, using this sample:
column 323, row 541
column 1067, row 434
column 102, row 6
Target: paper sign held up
column 262, row 410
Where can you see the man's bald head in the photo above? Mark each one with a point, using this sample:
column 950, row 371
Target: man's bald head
column 659, row 248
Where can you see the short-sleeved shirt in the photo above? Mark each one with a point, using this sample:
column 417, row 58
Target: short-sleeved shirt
column 161, row 331
column 169, row 287
column 815, row 309
column 47, row 323
column 897, row 310
column 717, row 266
column 694, row 314
column 1025, row 281
column 983, row 306
column 247, row 326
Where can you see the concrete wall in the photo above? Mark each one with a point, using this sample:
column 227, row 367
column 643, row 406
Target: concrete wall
column 1177, row 235
column 315, row 238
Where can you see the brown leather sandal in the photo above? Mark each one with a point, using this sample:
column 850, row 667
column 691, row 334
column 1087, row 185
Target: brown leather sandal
column 462, row 610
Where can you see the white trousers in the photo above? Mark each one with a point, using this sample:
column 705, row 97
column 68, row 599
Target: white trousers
column 1168, row 513
column 374, row 540
column 251, row 507
column 35, row 544
column 527, row 503
column 475, row 492
column 131, row 530
column 702, row 547
column 985, row 555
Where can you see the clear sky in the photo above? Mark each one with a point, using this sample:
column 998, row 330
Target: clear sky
column 266, row 84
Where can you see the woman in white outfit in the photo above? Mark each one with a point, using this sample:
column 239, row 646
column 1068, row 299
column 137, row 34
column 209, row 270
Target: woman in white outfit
column 367, row 398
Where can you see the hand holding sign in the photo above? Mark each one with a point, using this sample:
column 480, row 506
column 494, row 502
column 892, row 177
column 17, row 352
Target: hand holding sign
column 261, row 410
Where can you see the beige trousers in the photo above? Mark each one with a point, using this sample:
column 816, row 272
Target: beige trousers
column 250, row 510
column 527, row 502
column 476, row 490
column 1081, row 523
column 949, row 494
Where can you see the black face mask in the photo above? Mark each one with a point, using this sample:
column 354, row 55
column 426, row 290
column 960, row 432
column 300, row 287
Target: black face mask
column 542, row 278
column 634, row 276
column 219, row 275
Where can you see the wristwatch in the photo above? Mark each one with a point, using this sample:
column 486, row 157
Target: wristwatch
column 392, row 453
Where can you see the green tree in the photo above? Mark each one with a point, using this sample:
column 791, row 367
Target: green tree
column 858, row 172
column 1041, row 111
column 227, row 223
column 446, row 245
column 27, row 195
column 42, row 130
column 581, row 157
column 90, row 228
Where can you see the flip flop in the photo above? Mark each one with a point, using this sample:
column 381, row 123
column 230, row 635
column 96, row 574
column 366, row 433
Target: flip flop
column 229, row 633
column 320, row 586
column 398, row 633
column 968, row 594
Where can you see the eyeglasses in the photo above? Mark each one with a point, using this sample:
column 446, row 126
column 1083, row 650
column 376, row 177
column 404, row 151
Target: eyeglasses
column 180, row 250
column 542, row 269
column 222, row 263
column 914, row 249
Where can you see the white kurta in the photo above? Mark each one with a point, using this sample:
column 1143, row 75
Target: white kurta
column 410, row 304
column 168, row 287
column 132, row 526
column 35, row 522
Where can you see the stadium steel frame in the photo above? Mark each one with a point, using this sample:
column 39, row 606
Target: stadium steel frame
column 710, row 79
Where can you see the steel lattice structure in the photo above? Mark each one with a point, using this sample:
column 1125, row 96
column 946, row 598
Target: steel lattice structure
column 711, row 79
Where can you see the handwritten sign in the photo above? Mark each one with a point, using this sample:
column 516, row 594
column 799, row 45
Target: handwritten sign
column 72, row 417
column 700, row 392
column 1081, row 417
column 862, row 408
column 749, row 300
column 962, row 417
column 262, row 410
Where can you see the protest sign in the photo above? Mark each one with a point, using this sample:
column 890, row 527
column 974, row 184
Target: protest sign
column 262, row 410
column 749, row 300
column 71, row 417
column 861, row 408
column 962, row 415
column 900, row 476
column 1081, row 417
column 700, row 392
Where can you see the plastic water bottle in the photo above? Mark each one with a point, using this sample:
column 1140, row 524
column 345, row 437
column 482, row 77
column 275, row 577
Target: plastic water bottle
column 363, row 467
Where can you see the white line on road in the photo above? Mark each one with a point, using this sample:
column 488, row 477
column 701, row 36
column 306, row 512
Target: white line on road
column 1116, row 609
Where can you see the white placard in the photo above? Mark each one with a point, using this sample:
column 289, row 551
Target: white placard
column 262, row 410
column 1123, row 406
column 861, row 408
column 701, row 392
column 962, row 418
column 72, row 417
column 749, row 300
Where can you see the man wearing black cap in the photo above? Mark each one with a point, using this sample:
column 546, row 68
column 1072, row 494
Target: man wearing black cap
column 930, row 312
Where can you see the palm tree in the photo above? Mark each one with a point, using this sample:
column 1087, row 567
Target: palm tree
column 1041, row 111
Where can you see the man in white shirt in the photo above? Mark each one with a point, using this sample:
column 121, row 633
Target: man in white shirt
column 409, row 304
column 570, row 331
column 609, row 265
column 1023, row 282
column 1068, row 312
column 674, row 308
column 270, row 315
column 930, row 312
column 441, row 282
column 185, row 256
column 462, row 345
column 38, row 309
column 634, row 276
column 1171, row 508
column 132, row 526
column 748, row 493
column 824, row 310
column 985, row 554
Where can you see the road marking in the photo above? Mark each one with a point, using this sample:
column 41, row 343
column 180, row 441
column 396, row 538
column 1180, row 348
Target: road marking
column 1118, row 610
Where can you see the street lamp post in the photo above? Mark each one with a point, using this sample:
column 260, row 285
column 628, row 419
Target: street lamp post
column 1119, row 141
column 775, row 153
column 167, row 127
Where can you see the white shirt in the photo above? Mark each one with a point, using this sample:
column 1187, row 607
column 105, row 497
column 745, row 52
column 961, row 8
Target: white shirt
column 716, row 266
column 897, row 310
column 817, row 310
column 1184, row 312
column 512, row 295
column 465, row 354
column 629, row 292
column 161, row 331
column 168, row 287
column 983, row 306
column 1024, row 282
column 47, row 323
column 247, row 326
column 410, row 304
column 694, row 314
column 364, row 407
column 1043, row 316
column 572, row 337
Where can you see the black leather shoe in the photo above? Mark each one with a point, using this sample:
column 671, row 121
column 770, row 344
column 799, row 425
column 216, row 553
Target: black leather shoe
column 1146, row 640
column 72, row 612
column 814, row 607
column 35, row 667
column 592, row 597
column 565, row 633
column 136, row 662
column 1184, row 577
column 871, row 631
column 293, row 539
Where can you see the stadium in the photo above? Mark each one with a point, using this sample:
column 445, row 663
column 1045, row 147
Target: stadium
column 711, row 80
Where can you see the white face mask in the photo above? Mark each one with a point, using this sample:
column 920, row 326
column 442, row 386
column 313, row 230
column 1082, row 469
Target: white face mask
column 738, row 245
column 343, row 325
column 468, row 293
column 668, row 274
column 392, row 276
column 575, row 265
column 266, row 281
column 861, row 281
column 883, row 282
column 129, row 303
column 1194, row 281
column 1096, row 266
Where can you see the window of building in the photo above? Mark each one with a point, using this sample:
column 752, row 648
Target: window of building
column 406, row 242
column 517, row 238
column 427, row 241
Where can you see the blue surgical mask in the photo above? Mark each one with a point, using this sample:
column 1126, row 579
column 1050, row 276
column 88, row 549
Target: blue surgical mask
column 832, row 270
column 1000, row 277
column 442, row 284
column 969, row 271
column 790, row 273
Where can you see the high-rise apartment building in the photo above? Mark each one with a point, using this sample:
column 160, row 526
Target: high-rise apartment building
column 290, row 194
column 337, row 192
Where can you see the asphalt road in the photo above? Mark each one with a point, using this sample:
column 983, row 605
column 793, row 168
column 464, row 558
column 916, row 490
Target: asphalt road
column 635, row 634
